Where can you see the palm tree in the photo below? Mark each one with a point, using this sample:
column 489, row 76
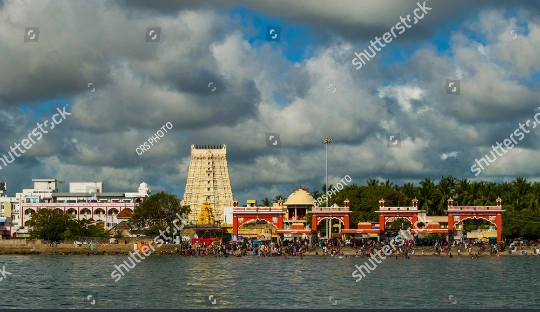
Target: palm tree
column 444, row 192
column 534, row 198
column 475, row 192
column 277, row 198
column 316, row 194
column 462, row 192
column 409, row 191
column 372, row 182
column 428, row 196
column 266, row 202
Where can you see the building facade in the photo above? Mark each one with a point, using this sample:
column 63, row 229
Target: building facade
column 101, row 208
column 208, row 181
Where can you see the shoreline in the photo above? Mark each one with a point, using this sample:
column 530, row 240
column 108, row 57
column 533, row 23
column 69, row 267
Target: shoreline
column 169, row 250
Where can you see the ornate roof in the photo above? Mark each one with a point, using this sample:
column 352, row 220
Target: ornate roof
column 300, row 196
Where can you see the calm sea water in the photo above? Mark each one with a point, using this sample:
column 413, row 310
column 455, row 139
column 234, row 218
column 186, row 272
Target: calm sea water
column 254, row 282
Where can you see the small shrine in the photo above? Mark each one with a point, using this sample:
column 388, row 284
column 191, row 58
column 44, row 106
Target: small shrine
column 206, row 216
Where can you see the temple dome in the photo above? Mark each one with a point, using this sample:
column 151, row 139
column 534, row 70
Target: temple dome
column 299, row 197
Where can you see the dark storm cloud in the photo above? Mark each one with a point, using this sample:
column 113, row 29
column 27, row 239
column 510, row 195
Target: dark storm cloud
column 140, row 86
column 352, row 19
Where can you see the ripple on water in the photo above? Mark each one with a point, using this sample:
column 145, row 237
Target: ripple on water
column 255, row 282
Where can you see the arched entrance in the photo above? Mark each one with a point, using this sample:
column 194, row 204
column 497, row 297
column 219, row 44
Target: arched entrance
column 483, row 234
column 257, row 229
column 335, row 224
column 492, row 214
column 243, row 215
column 333, row 218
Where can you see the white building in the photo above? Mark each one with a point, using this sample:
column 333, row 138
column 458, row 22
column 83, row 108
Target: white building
column 86, row 187
column 85, row 200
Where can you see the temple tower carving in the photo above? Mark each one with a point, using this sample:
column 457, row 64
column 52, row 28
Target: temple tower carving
column 208, row 181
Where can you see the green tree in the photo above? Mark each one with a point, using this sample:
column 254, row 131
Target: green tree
column 51, row 225
column 266, row 202
column 158, row 212
column 278, row 197
column 428, row 196
column 399, row 224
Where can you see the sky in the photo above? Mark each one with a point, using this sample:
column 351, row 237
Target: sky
column 229, row 72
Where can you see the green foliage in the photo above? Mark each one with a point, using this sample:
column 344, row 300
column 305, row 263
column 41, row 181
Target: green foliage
column 50, row 224
column 158, row 212
column 56, row 225
column 521, row 224
column 267, row 202
column 400, row 224
column 521, row 200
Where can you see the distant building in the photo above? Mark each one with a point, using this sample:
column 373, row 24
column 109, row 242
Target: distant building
column 101, row 208
column 86, row 187
column 208, row 181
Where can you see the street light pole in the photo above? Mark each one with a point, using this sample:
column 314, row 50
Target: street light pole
column 327, row 141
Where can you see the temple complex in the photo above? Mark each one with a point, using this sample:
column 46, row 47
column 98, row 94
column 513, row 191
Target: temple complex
column 208, row 182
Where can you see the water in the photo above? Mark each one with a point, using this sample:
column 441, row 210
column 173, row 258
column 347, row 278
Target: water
column 255, row 282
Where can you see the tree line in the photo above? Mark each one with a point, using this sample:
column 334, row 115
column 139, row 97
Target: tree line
column 521, row 200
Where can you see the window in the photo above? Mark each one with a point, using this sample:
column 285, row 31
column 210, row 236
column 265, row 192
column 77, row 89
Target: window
column 209, row 189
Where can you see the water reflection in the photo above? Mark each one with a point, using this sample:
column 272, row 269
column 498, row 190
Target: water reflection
column 255, row 282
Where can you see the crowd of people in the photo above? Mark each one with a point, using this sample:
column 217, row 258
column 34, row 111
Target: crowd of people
column 336, row 248
column 244, row 248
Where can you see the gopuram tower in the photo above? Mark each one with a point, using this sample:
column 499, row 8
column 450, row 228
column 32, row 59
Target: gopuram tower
column 208, row 181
